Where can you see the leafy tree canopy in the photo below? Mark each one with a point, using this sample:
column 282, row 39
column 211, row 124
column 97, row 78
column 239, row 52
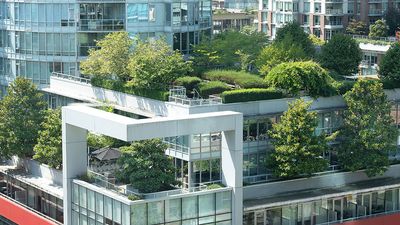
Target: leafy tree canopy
column 145, row 166
column 341, row 54
column 229, row 49
column 368, row 134
column 379, row 29
column 392, row 17
column 357, row 27
column 48, row 149
column 153, row 65
column 389, row 67
column 298, row 151
column 297, row 36
column 112, row 57
column 279, row 52
column 21, row 115
column 294, row 77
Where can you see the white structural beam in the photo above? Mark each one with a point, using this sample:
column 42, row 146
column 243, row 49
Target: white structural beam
column 78, row 119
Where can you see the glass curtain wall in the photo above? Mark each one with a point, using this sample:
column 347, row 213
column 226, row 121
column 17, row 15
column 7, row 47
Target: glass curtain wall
column 331, row 210
column 89, row 207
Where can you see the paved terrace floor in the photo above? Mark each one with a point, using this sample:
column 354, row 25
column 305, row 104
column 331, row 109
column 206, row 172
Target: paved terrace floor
column 315, row 194
column 35, row 181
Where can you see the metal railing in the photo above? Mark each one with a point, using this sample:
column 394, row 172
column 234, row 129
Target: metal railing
column 366, row 37
column 71, row 77
column 102, row 181
column 177, row 94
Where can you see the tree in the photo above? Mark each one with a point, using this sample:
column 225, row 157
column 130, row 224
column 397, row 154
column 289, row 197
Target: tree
column 341, row 54
column 21, row 115
column 392, row 18
column 277, row 53
column 153, row 65
column 48, row 149
column 357, row 27
column 98, row 141
column 294, row 77
column 223, row 49
column 297, row 36
column 379, row 29
column 112, row 57
column 367, row 135
column 389, row 67
column 298, row 151
column 145, row 166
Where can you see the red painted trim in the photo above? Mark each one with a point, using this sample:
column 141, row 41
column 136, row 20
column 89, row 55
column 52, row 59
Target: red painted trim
column 380, row 220
column 21, row 215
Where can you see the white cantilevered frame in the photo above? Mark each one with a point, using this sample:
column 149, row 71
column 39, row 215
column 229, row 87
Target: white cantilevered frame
column 78, row 119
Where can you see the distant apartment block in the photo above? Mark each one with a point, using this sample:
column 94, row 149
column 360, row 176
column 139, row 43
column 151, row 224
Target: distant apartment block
column 231, row 21
column 323, row 18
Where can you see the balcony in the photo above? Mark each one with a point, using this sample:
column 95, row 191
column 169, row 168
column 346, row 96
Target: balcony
column 101, row 25
column 375, row 12
column 334, row 11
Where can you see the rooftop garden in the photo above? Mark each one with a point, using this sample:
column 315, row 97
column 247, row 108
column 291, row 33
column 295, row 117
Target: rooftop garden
column 237, row 66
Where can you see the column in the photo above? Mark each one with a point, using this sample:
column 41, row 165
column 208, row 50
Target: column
column 232, row 167
column 74, row 154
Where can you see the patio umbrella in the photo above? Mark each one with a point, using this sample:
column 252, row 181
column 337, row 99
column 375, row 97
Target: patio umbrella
column 106, row 154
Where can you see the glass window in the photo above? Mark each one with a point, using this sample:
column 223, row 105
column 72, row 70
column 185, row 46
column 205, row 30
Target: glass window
column 116, row 211
column 172, row 210
column 189, row 207
column 108, row 207
column 206, row 205
column 139, row 214
column 156, row 212
column 223, row 202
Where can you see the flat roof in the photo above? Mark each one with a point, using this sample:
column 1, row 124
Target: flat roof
column 38, row 182
column 308, row 195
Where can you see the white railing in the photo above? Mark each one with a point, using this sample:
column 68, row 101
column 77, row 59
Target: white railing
column 177, row 94
column 71, row 77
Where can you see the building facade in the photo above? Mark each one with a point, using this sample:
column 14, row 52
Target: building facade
column 211, row 143
column 322, row 18
column 45, row 36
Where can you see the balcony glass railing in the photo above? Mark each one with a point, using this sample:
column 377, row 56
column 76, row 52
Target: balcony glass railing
column 101, row 25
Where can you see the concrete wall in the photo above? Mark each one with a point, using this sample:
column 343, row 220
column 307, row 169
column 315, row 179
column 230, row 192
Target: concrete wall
column 323, row 181
column 87, row 92
column 34, row 168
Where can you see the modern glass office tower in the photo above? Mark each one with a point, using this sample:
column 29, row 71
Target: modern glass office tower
column 44, row 36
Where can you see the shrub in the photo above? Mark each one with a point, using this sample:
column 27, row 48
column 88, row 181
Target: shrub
column 212, row 87
column 389, row 84
column 133, row 197
column 214, row 186
column 188, row 82
column 345, row 86
column 117, row 85
column 246, row 95
column 294, row 77
column 243, row 79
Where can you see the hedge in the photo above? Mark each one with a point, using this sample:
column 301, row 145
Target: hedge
column 188, row 82
column 116, row 85
column 243, row 79
column 253, row 94
column 212, row 87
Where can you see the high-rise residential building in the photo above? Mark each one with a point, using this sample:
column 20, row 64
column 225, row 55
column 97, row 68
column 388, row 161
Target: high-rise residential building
column 323, row 18
column 41, row 37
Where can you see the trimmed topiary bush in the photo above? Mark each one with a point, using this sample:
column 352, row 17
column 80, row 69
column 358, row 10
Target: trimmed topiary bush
column 243, row 79
column 188, row 82
column 254, row 94
column 212, row 87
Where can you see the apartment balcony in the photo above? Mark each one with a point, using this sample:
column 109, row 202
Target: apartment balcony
column 334, row 1
column 334, row 11
column 375, row 12
column 101, row 25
